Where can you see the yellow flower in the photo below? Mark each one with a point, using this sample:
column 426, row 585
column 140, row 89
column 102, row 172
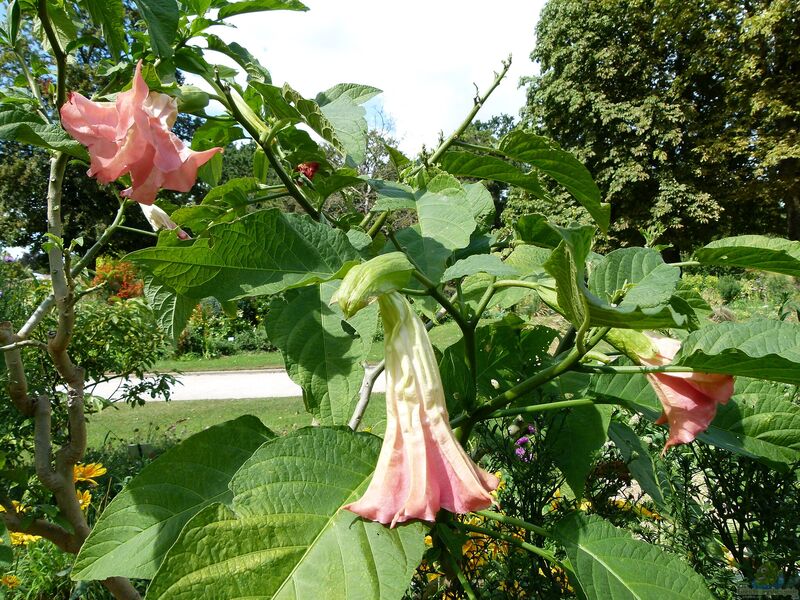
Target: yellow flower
column 18, row 506
column 81, row 472
column 23, row 539
column 84, row 498
column 10, row 581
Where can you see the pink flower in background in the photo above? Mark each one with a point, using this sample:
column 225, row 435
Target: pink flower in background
column 132, row 135
column 158, row 219
column 309, row 169
column 689, row 399
column 421, row 467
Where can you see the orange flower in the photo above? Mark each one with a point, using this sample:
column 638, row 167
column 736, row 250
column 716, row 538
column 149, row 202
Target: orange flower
column 10, row 581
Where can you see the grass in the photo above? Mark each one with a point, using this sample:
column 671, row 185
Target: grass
column 176, row 420
column 239, row 362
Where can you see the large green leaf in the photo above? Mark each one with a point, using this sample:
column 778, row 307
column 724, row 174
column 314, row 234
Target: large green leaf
column 350, row 126
column 109, row 15
column 355, row 92
column 760, row 348
column 640, row 274
column 753, row 252
column 547, row 156
column 262, row 253
column 479, row 263
column 135, row 531
column 161, row 17
column 574, row 436
column 567, row 265
column 534, row 229
column 759, row 421
column 323, row 352
column 287, row 536
column 445, row 224
column 467, row 164
column 172, row 310
column 27, row 127
column 250, row 6
column 611, row 565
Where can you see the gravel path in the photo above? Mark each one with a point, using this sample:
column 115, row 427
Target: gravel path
column 227, row 385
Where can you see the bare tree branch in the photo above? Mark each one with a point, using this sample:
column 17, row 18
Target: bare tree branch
column 17, row 382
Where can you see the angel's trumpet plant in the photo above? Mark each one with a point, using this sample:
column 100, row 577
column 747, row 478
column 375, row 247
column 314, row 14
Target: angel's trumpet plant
column 422, row 467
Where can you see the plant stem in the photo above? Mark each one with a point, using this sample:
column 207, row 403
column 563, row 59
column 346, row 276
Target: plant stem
column 141, row 231
column 496, row 516
column 478, row 103
column 462, row 578
column 548, row 556
column 364, row 395
column 536, row 408
column 686, row 263
column 58, row 53
column 530, row 384
column 291, row 187
column 633, row 369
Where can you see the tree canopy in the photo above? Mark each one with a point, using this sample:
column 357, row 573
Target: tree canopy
column 686, row 113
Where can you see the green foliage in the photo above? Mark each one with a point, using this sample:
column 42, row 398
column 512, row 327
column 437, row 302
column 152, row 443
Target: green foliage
column 286, row 535
column 662, row 101
column 729, row 288
column 132, row 536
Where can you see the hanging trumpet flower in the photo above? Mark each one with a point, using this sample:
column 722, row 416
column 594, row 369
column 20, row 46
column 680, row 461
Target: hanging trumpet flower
column 422, row 467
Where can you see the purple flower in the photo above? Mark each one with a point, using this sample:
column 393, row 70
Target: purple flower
column 8, row 258
column 522, row 441
column 531, row 429
column 520, row 452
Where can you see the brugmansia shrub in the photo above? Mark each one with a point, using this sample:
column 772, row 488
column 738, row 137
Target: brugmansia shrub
column 327, row 511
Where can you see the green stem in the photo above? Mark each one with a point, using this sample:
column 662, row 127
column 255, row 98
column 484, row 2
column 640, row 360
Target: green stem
column 530, row 384
column 531, row 285
column 286, row 180
column 548, row 556
column 135, row 230
column 479, row 102
column 537, row 408
column 478, row 148
column 686, row 263
column 633, row 369
column 443, row 147
column 32, row 84
column 496, row 516
column 376, row 226
column 483, row 303
column 58, row 53
column 460, row 575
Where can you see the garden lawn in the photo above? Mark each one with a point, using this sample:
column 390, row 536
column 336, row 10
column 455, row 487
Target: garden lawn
column 176, row 420
column 239, row 362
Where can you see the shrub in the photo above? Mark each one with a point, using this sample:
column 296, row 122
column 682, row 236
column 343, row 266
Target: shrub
column 729, row 288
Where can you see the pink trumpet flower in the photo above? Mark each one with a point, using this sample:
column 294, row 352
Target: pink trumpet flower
column 132, row 135
column 689, row 399
column 421, row 467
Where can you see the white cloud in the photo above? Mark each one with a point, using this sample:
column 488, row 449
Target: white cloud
column 425, row 56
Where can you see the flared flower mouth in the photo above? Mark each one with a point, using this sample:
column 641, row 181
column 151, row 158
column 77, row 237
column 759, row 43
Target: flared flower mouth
column 422, row 468
column 689, row 400
column 132, row 136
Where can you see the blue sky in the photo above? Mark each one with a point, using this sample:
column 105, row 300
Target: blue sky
column 427, row 56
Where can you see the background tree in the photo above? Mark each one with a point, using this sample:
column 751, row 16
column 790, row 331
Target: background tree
column 685, row 113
